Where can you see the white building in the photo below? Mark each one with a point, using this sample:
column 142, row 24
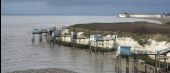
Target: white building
column 142, row 15
column 146, row 15
column 123, row 15
column 64, row 31
column 110, row 37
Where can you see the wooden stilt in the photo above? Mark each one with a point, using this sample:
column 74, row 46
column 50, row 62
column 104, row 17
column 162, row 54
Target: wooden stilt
column 120, row 71
column 90, row 46
column 40, row 37
column 95, row 45
column 156, row 64
column 167, row 67
column 135, row 64
column 165, row 63
column 127, row 64
column 116, row 65
column 145, row 65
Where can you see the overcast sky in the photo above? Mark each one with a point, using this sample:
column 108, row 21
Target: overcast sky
column 84, row 7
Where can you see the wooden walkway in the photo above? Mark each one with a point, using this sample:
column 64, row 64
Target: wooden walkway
column 158, row 52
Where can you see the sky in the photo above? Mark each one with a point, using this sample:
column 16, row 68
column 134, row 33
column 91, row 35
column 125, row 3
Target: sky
column 83, row 7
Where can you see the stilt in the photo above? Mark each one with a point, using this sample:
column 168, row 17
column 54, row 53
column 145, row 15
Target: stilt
column 145, row 65
column 127, row 64
column 33, row 35
column 120, row 64
column 153, row 70
column 167, row 67
column 118, row 68
column 165, row 63
column 116, row 65
column 156, row 64
column 135, row 65
column 95, row 46
column 33, row 39
column 90, row 47
column 40, row 37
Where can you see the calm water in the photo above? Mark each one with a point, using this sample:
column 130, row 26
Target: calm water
column 19, row 53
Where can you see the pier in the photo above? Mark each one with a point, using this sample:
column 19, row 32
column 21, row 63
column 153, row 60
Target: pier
column 124, row 52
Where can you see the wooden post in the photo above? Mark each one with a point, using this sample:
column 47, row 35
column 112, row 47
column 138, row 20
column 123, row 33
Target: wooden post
column 40, row 37
column 159, row 65
column 116, row 65
column 90, row 46
column 165, row 63
column 145, row 65
column 120, row 71
column 33, row 39
column 127, row 64
column 135, row 64
column 156, row 63
column 95, row 45
column 33, row 35
column 153, row 70
column 103, row 48
column 167, row 67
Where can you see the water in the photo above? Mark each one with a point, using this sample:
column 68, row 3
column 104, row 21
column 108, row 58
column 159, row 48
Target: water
column 19, row 53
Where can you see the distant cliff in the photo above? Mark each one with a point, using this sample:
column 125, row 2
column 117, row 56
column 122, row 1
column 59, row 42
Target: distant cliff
column 144, row 15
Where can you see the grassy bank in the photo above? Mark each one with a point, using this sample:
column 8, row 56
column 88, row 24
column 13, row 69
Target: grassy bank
column 139, row 31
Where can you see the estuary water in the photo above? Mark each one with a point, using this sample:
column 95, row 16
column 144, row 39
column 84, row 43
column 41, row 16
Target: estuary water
column 18, row 52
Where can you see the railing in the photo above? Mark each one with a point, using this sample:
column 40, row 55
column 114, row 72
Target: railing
column 162, row 51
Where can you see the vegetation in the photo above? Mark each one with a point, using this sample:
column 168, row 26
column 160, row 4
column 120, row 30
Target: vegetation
column 167, row 23
column 140, row 31
column 133, row 27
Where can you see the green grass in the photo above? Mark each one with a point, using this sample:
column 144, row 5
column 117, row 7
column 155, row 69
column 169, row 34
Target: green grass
column 139, row 31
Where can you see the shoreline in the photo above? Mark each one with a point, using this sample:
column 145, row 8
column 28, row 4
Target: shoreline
column 44, row 70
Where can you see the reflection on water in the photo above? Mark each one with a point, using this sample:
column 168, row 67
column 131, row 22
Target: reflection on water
column 44, row 55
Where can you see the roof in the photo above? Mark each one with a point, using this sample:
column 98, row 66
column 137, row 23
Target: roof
column 143, row 13
column 126, row 46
